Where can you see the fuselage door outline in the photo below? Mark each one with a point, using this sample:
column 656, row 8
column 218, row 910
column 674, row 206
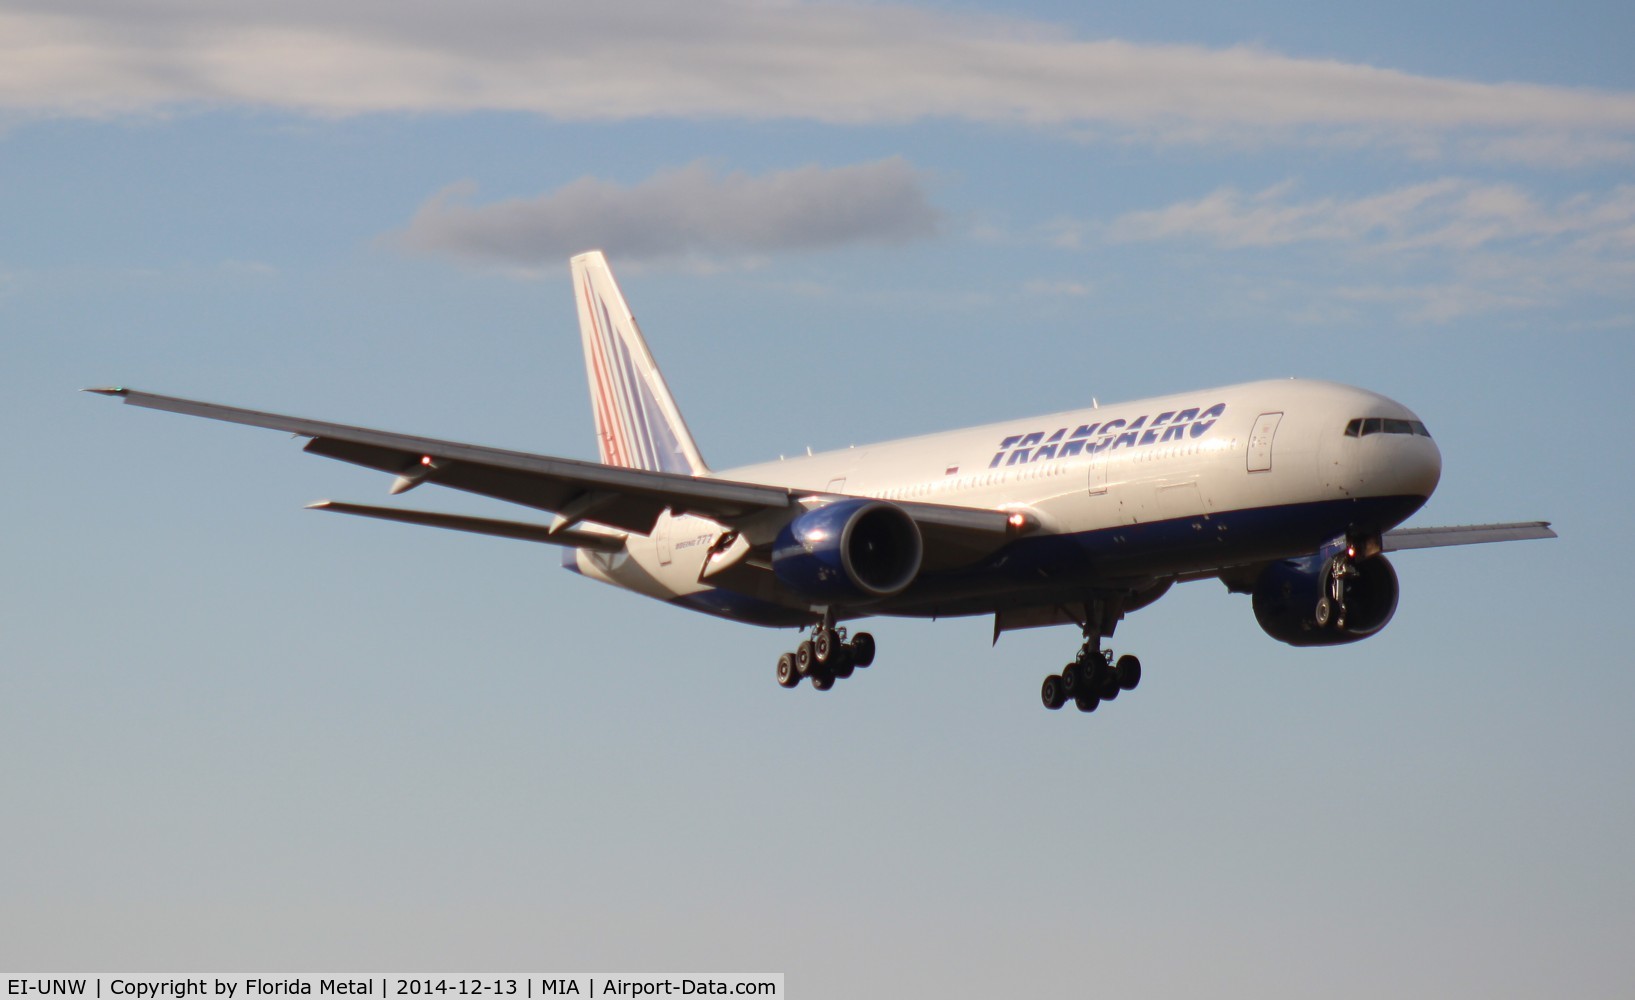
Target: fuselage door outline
column 1260, row 442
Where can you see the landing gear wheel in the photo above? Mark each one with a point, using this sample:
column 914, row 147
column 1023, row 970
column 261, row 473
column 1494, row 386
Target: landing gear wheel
column 1095, row 676
column 805, row 659
column 825, row 644
column 841, row 663
column 1051, row 693
column 788, row 675
column 862, row 649
column 1128, row 672
column 823, row 682
column 1096, row 672
column 1323, row 612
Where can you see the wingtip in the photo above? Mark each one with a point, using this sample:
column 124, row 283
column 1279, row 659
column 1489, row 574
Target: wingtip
column 108, row 390
column 320, row 505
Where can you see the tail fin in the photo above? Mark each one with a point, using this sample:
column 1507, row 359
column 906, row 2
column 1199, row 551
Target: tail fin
column 637, row 423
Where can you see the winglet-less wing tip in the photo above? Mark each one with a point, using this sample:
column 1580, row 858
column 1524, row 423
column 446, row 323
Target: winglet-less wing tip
column 108, row 390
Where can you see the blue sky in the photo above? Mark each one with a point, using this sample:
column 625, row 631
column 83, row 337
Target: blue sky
column 236, row 734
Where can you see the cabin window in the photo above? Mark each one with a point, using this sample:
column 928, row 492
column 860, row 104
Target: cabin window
column 1364, row 426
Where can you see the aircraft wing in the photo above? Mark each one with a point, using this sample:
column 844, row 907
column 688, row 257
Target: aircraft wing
column 1465, row 534
column 623, row 498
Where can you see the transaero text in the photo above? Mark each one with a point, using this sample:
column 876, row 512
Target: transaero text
column 1095, row 438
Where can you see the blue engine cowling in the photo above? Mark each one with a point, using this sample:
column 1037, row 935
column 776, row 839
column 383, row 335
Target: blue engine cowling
column 849, row 550
column 1287, row 595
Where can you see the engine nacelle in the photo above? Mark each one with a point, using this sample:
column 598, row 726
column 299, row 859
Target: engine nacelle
column 848, row 550
column 1293, row 605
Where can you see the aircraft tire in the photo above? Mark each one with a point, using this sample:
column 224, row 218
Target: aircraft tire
column 805, row 658
column 841, row 663
column 862, row 649
column 1086, row 701
column 1109, row 686
column 1071, row 680
column 788, row 676
column 1051, row 693
column 1128, row 672
column 823, row 682
column 825, row 645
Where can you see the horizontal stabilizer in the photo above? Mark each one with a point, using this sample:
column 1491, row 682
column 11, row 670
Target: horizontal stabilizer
column 522, row 530
column 1466, row 534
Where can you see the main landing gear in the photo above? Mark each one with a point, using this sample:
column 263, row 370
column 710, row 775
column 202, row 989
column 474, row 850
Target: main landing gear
column 826, row 657
column 1092, row 678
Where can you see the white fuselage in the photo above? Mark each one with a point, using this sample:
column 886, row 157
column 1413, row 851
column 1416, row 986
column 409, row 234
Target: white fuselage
column 1140, row 491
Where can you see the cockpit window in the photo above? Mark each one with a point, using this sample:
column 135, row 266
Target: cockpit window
column 1364, row 426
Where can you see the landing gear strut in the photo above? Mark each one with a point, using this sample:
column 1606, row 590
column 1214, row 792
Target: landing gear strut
column 826, row 657
column 1092, row 678
column 1331, row 606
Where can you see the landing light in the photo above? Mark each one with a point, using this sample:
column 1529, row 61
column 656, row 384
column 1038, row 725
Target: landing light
column 1019, row 521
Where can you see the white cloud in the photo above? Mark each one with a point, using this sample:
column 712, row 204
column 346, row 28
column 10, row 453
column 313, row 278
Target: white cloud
column 1435, row 251
column 748, row 59
column 1450, row 212
column 692, row 211
column 1438, row 303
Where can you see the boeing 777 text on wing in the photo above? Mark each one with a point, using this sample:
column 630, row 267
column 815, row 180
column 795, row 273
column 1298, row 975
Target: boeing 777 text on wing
column 1288, row 491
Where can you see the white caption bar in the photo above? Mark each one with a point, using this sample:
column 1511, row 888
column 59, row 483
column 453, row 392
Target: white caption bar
column 390, row 986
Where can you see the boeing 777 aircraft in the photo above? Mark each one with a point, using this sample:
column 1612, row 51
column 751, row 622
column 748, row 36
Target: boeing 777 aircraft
column 1287, row 491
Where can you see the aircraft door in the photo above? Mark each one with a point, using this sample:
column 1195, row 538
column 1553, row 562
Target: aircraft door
column 1260, row 442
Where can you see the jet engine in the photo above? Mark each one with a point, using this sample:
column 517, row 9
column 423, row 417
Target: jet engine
column 1325, row 600
column 848, row 550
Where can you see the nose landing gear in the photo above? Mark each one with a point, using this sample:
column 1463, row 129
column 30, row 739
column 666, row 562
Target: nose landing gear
column 1331, row 607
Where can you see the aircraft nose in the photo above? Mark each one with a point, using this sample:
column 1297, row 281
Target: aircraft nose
column 1407, row 467
column 1389, row 465
column 1423, row 467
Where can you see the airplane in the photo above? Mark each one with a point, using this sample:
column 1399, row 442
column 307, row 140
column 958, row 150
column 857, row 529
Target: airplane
column 1288, row 491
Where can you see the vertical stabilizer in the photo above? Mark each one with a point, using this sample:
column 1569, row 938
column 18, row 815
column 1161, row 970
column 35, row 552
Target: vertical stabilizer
column 637, row 423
